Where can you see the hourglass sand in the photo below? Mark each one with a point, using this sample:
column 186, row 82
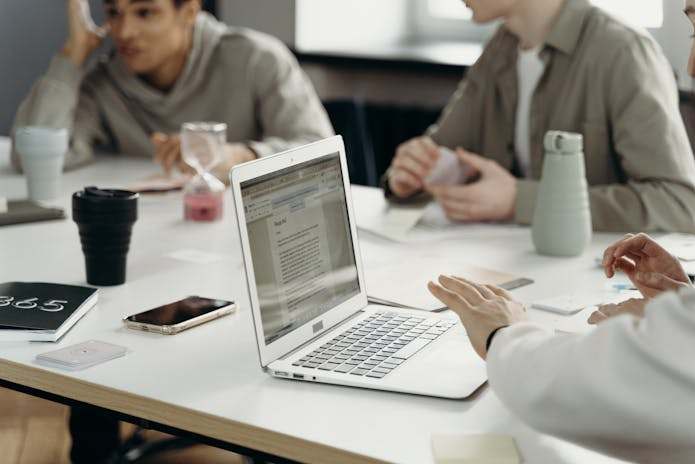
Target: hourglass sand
column 201, row 146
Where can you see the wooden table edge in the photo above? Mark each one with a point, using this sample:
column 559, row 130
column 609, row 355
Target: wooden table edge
column 176, row 417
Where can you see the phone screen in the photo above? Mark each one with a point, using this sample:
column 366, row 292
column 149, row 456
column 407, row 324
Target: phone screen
column 179, row 311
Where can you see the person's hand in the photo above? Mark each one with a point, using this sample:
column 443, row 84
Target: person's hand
column 649, row 266
column 481, row 308
column 234, row 153
column 84, row 37
column 168, row 152
column 491, row 198
column 634, row 306
column 413, row 162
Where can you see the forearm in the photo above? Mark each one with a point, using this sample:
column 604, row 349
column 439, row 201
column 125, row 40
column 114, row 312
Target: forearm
column 625, row 383
column 76, row 54
column 635, row 206
column 651, row 152
column 291, row 113
column 52, row 100
column 272, row 144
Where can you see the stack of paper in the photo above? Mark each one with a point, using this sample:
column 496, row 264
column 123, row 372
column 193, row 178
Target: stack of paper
column 683, row 247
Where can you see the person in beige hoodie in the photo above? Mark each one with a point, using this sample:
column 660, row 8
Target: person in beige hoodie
column 171, row 63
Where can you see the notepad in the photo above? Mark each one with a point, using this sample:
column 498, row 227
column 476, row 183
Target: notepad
column 475, row 449
column 21, row 211
column 404, row 284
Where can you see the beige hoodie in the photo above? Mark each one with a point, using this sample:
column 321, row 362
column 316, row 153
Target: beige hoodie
column 244, row 78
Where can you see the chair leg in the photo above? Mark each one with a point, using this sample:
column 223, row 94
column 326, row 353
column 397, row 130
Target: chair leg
column 136, row 447
column 94, row 435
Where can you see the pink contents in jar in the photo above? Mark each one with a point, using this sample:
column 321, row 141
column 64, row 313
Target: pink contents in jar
column 203, row 206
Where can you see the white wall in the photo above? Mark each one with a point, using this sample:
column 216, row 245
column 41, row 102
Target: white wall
column 674, row 39
column 270, row 16
column 336, row 23
column 31, row 32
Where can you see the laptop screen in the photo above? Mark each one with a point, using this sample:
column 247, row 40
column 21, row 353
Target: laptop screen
column 300, row 242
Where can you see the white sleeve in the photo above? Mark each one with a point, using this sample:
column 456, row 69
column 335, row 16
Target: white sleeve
column 629, row 383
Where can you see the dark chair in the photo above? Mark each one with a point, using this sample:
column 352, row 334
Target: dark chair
column 687, row 107
column 391, row 125
column 349, row 120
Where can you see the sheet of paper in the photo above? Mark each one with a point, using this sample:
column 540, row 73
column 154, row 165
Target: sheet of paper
column 680, row 245
column 190, row 255
column 569, row 312
column 475, row 449
column 376, row 215
column 393, row 222
column 160, row 183
column 567, row 304
column 448, row 170
column 417, row 224
column 405, row 283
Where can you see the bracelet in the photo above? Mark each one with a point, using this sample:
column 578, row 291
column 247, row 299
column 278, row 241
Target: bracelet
column 492, row 334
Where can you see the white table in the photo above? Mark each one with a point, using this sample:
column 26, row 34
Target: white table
column 207, row 382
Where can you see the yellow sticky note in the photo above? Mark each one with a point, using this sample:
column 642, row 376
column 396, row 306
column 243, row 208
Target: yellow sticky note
column 475, row 449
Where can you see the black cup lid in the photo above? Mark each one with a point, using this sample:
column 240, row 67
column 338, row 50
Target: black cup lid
column 97, row 194
column 95, row 200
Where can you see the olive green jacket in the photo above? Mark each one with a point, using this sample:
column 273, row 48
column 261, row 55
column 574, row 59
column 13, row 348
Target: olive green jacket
column 610, row 83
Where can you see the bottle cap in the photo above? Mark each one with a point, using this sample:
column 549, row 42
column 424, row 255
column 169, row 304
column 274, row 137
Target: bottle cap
column 563, row 142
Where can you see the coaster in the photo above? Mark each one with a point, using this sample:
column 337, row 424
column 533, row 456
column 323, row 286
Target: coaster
column 81, row 355
column 475, row 449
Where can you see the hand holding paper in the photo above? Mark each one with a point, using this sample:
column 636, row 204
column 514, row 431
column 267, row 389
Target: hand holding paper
column 449, row 170
column 412, row 164
column 490, row 198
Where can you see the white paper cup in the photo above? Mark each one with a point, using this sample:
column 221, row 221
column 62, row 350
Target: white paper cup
column 42, row 152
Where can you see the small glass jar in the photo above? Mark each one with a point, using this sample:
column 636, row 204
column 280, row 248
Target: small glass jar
column 202, row 198
column 202, row 144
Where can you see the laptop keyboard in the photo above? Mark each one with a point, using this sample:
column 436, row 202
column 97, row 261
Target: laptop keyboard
column 377, row 345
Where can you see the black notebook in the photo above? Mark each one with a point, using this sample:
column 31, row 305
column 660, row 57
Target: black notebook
column 41, row 311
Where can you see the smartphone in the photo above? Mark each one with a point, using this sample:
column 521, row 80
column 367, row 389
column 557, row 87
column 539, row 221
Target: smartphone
column 172, row 318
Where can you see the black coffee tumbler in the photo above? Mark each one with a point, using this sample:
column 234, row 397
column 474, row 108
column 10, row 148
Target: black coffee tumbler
column 105, row 220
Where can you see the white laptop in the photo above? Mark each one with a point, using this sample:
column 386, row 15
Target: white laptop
column 307, row 287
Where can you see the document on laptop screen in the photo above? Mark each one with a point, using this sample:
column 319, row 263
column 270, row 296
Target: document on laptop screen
column 300, row 242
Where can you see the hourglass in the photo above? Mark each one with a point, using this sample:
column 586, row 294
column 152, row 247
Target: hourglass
column 202, row 144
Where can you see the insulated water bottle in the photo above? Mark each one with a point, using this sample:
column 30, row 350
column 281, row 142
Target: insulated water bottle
column 562, row 219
